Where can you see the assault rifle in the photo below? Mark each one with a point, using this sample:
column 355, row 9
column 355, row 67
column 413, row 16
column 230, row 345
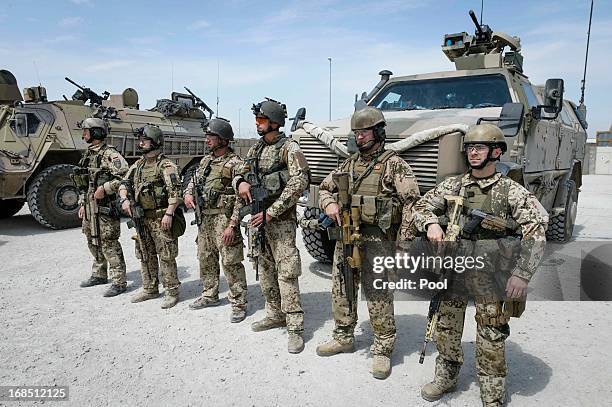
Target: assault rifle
column 137, row 219
column 94, row 212
column 350, row 236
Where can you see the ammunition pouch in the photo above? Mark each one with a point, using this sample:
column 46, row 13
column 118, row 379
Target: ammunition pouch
column 80, row 177
column 384, row 212
column 153, row 197
column 110, row 211
column 275, row 182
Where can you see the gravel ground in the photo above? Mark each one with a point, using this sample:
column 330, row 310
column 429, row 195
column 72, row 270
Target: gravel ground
column 111, row 352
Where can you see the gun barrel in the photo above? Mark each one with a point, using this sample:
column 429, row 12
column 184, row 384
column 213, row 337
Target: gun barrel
column 476, row 23
column 74, row 83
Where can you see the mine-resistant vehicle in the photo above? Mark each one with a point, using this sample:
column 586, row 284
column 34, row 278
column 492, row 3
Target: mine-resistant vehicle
column 428, row 114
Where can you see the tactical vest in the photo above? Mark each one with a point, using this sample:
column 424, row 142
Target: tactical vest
column 92, row 160
column 215, row 185
column 493, row 200
column 149, row 186
column 276, row 177
column 380, row 208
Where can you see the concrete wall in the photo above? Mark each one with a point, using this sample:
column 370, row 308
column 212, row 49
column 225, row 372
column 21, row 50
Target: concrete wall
column 603, row 165
column 242, row 145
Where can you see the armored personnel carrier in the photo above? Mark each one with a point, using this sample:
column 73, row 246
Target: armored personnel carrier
column 427, row 115
column 40, row 142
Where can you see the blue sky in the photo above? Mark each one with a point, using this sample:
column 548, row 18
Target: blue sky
column 280, row 48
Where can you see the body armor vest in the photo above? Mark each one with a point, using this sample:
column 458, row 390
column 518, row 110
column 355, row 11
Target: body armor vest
column 88, row 164
column 493, row 200
column 215, row 183
column 378, row 207
column 149, row 186
column 276, row 177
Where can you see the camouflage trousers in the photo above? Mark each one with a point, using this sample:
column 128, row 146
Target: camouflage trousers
column 279, row 268
column 210, row 248
column 490, row 345
column 158, row 242
column 380, row 308
column 108, row 255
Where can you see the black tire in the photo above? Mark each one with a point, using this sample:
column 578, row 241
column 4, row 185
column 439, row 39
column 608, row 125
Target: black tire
column 9, row 207
column 561, row 226
column 317, row 243
column 53, row 198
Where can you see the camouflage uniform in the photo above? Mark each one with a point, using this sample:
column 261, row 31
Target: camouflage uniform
column 215, row 175
column 156, row 183
column 504, row 198
column 391, row 177
column 286, row 174
column 111, row 167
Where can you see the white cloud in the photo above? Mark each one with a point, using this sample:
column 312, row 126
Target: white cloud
column 79, row 2
column 109, row 65
column 70, row 21
column 198, row 25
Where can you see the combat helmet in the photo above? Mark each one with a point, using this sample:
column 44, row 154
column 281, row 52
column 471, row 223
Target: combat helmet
column 485, row 133
column 96, row 126
column 219, row 127
column 272, row 110
column 153, row 133
column 367, row 118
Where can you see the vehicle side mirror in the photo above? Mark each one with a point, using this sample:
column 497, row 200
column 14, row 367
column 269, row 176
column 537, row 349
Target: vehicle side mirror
column 299, row 116
column 553, row 96
column 510, row 119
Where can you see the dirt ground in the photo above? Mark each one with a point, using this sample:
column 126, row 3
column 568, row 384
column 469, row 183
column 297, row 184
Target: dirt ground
column 110, row 352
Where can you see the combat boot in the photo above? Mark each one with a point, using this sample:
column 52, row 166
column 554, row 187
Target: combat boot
column 334, row 347
column 203, row 302
column 143, row 296
column 114, row 290
column 91, row 281
column 267, row 323
column 238, row 315
column 445, row 380
column 170, row 300
column 295, row 343
column 381, row 367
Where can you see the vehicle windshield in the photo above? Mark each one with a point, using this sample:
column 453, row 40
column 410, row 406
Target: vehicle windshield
column 465, row 92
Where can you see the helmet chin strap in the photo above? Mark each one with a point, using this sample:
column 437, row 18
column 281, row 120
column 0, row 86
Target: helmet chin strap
column 366, row 146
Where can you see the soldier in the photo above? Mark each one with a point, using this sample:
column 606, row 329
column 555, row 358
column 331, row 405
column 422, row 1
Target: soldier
column 486, row 189
column 277, row 164
column 219, row 230
column 156, row 189
column 374, row 172
column 100, row 171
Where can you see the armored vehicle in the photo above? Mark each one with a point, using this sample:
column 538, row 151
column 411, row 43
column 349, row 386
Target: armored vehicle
column 40, row 142
column 427, row 115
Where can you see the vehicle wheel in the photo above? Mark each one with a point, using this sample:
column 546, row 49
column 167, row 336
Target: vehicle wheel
column 561, row 226
column 317, row 243
column 9, row 207
column 53, row 198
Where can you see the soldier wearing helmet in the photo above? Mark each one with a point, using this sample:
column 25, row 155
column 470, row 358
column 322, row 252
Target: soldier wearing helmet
column 210, row 193
column 97, row 177
column 384, row 189
column 277, row 168
column 483, row 188
column 153, row 184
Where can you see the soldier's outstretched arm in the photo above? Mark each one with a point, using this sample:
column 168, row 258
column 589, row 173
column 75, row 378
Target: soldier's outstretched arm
column 401, row 180
column 297, row 183
column 529, row 213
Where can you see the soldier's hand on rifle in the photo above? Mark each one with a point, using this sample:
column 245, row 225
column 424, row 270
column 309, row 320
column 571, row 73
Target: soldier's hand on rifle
column 127, row 208
column 99, row 194
column 189, row 203
column 333, row 211
column 257, row 220
column 166, row 222
column 81, row 212
column 516, row 287
column 228, row 235
column 244, row 190
column 435, row 232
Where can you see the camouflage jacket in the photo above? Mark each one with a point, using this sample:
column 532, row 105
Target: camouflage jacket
column 105, row 157
column 165, row 173
column 295, row 163
column 230, row 161
column 523, row 207
column 397, row 180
